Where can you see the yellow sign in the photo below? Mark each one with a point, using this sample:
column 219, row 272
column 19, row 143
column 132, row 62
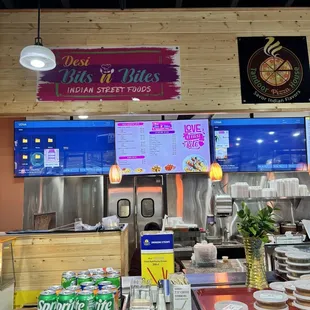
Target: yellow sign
column 156, row 266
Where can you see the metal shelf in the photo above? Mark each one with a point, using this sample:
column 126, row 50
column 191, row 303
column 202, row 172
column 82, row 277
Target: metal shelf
column 295, row 200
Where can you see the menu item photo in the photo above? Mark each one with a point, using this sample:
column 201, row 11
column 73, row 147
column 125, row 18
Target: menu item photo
column 170, row 146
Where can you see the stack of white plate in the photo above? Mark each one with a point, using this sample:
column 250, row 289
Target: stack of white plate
column 280, row 255
column 298, row 264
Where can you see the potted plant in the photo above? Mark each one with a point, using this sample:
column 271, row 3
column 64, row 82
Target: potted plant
column 255, row 229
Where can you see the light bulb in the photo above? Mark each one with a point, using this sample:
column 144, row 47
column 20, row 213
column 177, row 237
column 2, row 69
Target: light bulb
column 37, row 63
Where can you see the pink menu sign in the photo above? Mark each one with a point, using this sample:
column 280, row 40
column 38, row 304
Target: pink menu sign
column 129, row 73
column 163, row 146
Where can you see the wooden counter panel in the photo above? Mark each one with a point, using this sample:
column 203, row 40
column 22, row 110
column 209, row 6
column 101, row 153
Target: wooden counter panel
column 208, row 50
column 41, row 259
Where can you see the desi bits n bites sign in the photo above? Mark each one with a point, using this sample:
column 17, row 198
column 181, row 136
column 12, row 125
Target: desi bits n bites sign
column 146, row 73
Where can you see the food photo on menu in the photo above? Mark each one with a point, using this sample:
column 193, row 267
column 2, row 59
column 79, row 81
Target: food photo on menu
column 163, row 146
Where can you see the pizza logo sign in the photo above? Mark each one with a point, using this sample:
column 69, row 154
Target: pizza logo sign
column 275, row 72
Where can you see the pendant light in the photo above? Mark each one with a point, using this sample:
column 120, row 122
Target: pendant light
column 37, row 57
column 216, row 172
column 115, row 174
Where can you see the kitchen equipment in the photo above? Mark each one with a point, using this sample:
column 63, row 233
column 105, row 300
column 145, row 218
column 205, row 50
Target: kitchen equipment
column 284, row 227
column 214, row 239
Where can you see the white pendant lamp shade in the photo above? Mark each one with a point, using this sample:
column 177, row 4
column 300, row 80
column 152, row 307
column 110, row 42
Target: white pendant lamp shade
column 115, row 174
column 37, row 58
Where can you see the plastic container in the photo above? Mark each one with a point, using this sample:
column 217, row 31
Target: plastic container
column 230, row 305
column 282, row 250
column 305, row 277
column 277, row 286
column 298, row 257
column 205, row 254
column 298, row 306
column 270, row 300
column 281, row 259
column 303, row 287
column 293, row 278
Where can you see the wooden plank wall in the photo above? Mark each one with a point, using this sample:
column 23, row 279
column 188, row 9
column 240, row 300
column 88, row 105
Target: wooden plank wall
column 41, row 259
column 207, row 38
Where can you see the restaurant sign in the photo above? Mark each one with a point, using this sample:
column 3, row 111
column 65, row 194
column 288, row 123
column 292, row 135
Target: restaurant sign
column 130, row 73
column 274, row 69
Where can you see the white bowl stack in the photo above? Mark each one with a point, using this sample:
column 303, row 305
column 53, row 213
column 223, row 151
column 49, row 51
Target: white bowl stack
column 298, row 264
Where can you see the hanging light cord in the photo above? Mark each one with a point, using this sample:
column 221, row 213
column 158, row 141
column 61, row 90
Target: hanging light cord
column 38, row 39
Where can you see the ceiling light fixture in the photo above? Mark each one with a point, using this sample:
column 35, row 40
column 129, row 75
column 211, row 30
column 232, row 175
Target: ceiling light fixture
column 37, row 57
column 83, row 116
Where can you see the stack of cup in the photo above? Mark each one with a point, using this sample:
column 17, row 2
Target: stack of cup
column 280, row 255
column 302, row 294
column 269, row 300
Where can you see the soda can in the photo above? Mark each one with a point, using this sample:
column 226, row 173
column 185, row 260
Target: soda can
column 114, row 290
column 87, row 272
column 74, row 288
column 115, row 279
column 68, row 278
column 104, row 300
column 66, row 300
column 83, row 278
column 97, row 278
column 47, row 300
column 85, row 284
column 103, row 284
column 85, row 300
column 56, row 288
column 92, row 288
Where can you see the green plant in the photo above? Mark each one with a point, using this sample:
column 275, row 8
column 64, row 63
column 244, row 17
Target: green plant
column 256, row 226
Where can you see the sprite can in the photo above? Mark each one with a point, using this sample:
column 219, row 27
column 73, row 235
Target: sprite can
column 56, row 288
column 104, row 300
column 92, row 288
column 114, row 290
column 85, row 301
column 84, row 272
column 47, row 300
column 115, row 279
column 74, row 288
column 66, row 300
column 68, row 278
column 103, row 284
column 85, row 284
column 83, row 278
column 97, row 278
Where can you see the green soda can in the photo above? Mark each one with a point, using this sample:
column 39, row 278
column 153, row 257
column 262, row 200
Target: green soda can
column 68, row 278
column 104, row 300
column 83, row 278
column 84, row 272
column 47, row 300
column 97, row 278
column 102, row 284
column 85, row 301
column 66, row 300
column 115, row 279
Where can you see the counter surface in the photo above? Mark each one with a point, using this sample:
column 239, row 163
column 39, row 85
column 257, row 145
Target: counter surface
column 233, row 265
column 4, row 239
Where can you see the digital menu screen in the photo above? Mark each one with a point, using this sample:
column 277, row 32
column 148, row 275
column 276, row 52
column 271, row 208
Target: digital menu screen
column 163, row 146
column 60, row 148
column 265, row 144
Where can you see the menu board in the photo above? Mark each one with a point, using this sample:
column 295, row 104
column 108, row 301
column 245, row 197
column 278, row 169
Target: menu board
column 163, row 146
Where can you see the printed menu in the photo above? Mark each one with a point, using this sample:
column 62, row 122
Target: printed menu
column 163, row 146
